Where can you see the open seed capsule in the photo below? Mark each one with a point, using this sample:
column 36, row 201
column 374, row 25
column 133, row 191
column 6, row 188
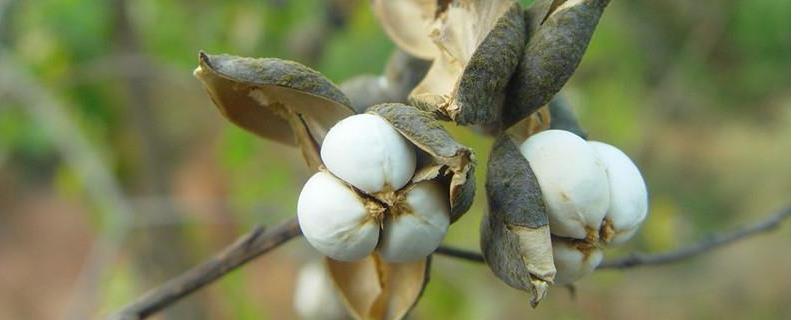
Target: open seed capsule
column 479, row 44
column 409, row 212
column 573, row 182
column 628, row 194
column 290, row 103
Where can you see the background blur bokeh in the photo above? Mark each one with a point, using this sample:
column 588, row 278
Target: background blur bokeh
column 116, row 171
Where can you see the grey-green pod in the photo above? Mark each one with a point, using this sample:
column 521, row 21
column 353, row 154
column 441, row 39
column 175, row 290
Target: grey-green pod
column 481, row 43
column 515, row 233
column 553, row 52
column 562, row 117
column 280, row 100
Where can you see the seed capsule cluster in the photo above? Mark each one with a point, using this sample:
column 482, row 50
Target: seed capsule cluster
column 594, row 196
column 364, row 198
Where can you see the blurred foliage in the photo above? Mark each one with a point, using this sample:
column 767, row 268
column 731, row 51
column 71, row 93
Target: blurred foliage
column 696, row 93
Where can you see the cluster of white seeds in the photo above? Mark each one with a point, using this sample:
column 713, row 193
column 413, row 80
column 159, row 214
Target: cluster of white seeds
column 364, row 199
column 594, row 196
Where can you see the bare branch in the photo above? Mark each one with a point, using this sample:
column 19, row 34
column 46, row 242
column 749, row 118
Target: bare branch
column 258, row 242
column 712, row 242
column 246, row 248
column 468, row 255
column 640, row 259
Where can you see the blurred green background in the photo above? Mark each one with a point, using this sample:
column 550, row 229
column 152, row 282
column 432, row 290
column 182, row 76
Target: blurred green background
column 116, row 171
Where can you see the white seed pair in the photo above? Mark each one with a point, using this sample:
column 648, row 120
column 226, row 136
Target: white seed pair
column 594, row 195
column 364, row 200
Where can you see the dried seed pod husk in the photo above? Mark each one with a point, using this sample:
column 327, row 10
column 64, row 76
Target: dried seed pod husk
column 277, row 99
column 515, row 234
column 480, row 44
column 553, row 52
column 402, row 73
column 557, row 115
column 537, row 122
column 372, row 288
column 562, row 117
column 409, row 23
column 439, row 156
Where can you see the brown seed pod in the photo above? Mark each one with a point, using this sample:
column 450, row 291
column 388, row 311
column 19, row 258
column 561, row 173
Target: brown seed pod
column 277, row 99
column 375, row 289
column 515, row 234
column 402, row 73
column 409, row 23
column 553, row 52
column 480, row 43
column 439, row 156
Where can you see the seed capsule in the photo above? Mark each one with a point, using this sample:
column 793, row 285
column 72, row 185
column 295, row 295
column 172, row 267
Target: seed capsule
column 628, row 194
column 574, row 259
column 417, row 229
column 479, row 46
column 573, row 182
column 369, row 154
column 336, row 220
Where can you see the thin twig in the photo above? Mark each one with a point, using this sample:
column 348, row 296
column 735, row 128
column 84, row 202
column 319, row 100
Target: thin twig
column 246, row 248
column 258, row 242
column 460, row 254
column 640, row 259
column 712, row 242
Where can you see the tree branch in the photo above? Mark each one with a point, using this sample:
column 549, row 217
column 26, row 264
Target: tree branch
column 246, row 248
column 468, row 255
column 713, row 242
column 259, row 241
column 639, row 259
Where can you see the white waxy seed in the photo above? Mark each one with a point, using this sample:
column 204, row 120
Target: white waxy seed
column 334, row 219
column 628, row 192
column 411, row 236
column 315, row 296
column 572, row 179
column 368, row 153
column 571, row 263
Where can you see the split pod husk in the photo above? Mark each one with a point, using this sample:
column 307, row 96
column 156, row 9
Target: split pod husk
column 475, row 46
column 515, row 233
column 559, row 32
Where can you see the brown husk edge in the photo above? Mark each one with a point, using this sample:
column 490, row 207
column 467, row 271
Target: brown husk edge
column 280, row 100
